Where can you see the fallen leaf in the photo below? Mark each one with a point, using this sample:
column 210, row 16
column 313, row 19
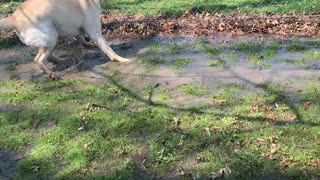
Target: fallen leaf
column 219, row 101
column 262, row 141
column 222, row 173
column 181, row 142
column 314, row 162
column 181, row 172
column 35, row 168
column 87, row 145
column 80, row 128
column 176, row 121
column 306, row 105
column 208, row 131
column 274, row 148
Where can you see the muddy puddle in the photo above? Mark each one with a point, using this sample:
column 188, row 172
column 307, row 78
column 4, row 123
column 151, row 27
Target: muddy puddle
column 8, row 163
column 173, row 62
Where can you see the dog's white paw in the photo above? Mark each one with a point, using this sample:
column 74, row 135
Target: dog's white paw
column 123, row 60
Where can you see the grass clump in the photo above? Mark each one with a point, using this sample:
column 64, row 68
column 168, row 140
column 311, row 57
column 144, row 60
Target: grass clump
column 180, row 62
column 296, row 47
column 215, row 62
column 151, row 63
column 6, row 43
column 194, row 89
column 204, row 46
column 11, row 67
column 248, row 47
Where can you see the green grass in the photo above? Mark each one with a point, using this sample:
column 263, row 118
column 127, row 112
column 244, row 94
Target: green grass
column 295, row 46
column 248, row 47
column 230, row 6
column 215, row 62
column 11, row 67
column 79, row 129
column 6, row 43
column 177, row 7
column 179, row 62
column 151, row 63
column 203, row 45
column 194, row 89
column 74, row 129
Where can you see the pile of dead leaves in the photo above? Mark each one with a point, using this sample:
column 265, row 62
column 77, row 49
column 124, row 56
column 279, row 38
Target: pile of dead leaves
column 128, row 27
column 210, row 24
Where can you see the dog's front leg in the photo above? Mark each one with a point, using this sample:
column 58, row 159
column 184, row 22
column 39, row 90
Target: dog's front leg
column 41, row 59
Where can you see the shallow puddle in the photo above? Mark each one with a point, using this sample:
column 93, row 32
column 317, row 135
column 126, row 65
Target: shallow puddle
column 173, row 62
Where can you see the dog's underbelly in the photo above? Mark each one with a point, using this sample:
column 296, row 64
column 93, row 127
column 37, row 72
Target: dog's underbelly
column 41, row 35
column 66, row 31
column 70, row 26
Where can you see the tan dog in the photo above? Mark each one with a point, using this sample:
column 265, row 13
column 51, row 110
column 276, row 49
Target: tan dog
column 39, row 23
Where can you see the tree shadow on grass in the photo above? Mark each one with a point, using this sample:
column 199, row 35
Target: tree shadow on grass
column 150, row 126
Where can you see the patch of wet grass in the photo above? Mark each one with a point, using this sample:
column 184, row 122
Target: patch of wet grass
column 194, row 89
column 151, row 63
column 314, row 43
column 306, row 59
column 295, row 46
column 175, row 48
column 179, row 62
column 228, row 58
column 311, row 55
column 215, row 62
column 204, row 46
column 260, row 60
column 155, row 93
column 11, row 67
column 267, row 51
column 248, row 47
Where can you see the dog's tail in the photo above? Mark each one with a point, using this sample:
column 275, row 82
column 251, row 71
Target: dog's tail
column 6, row 23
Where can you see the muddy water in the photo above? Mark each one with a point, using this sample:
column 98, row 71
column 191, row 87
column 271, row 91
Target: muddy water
column 8, row 162
column 94, row 66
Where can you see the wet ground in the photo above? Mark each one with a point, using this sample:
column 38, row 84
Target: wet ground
column 176, row 61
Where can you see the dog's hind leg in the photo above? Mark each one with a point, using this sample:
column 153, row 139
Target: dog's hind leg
column 96, row 37
column 83, row 42
column 104, row 46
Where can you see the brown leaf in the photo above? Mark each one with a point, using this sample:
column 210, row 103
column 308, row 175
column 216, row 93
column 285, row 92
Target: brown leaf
column 255, row 108
column 222, row 173
column 176, row 121
column 35, row 168
column 262, row 141
column 181, row 172
column 221, row 26
column 314, row 162
column 219, row 101
column 87, row 145
column 306, row 105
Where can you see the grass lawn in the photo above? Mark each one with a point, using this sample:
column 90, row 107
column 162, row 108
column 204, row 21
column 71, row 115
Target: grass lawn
column 79, row 129
column 153, row 7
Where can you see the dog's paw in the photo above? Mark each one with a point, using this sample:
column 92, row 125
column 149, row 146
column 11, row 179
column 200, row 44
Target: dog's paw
column 123, row 60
